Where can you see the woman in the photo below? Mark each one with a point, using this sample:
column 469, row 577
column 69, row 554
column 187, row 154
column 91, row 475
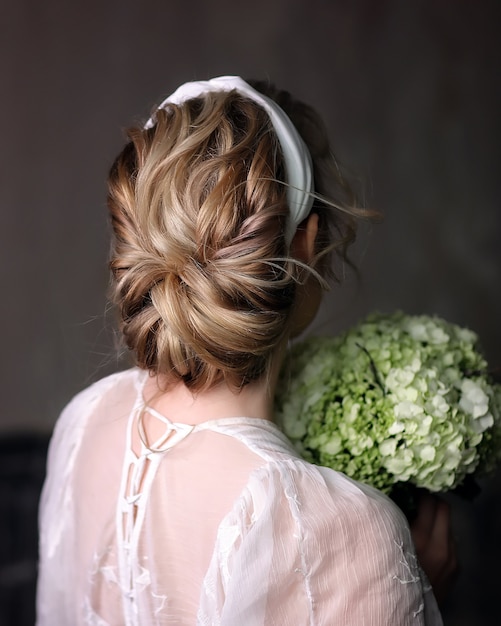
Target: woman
column 171, row 496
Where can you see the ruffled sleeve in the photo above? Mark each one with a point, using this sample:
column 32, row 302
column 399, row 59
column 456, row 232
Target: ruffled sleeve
column 306, row 545
column 61, row 502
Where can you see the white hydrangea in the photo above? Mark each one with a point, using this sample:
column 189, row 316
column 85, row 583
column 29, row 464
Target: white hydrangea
column 398, row 398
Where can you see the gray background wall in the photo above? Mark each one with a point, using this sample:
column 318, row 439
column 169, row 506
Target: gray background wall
column 410, row 92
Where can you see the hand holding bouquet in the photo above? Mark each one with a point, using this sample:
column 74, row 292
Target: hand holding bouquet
column 397, row 399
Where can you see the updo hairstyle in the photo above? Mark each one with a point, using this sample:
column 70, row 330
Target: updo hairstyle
column 201, row 270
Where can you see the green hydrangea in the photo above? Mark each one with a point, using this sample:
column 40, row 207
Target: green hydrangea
column 398, row 398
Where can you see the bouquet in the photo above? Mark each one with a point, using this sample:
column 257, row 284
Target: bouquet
column 397, row 400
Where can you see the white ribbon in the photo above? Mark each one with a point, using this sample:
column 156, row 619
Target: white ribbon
column 298, row 166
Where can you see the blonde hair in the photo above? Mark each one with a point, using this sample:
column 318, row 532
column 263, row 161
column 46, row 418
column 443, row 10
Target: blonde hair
column 203, row 279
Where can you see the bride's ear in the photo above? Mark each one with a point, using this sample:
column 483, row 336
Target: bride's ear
column 303, row 243
column 309, row 291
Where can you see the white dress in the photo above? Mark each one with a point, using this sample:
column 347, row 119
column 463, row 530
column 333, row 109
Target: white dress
column 223, row 525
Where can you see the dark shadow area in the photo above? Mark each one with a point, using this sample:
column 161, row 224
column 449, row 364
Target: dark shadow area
column 22, row 471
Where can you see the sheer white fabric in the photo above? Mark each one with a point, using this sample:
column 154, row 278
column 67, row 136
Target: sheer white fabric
column 223, row 525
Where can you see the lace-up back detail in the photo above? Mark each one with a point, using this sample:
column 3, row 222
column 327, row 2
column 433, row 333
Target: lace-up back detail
column 158, row 510
column 148, row 522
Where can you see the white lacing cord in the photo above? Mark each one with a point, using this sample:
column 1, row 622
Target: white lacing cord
column 174, row 432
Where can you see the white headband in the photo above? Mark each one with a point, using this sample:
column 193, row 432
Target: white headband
column 298, row 166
